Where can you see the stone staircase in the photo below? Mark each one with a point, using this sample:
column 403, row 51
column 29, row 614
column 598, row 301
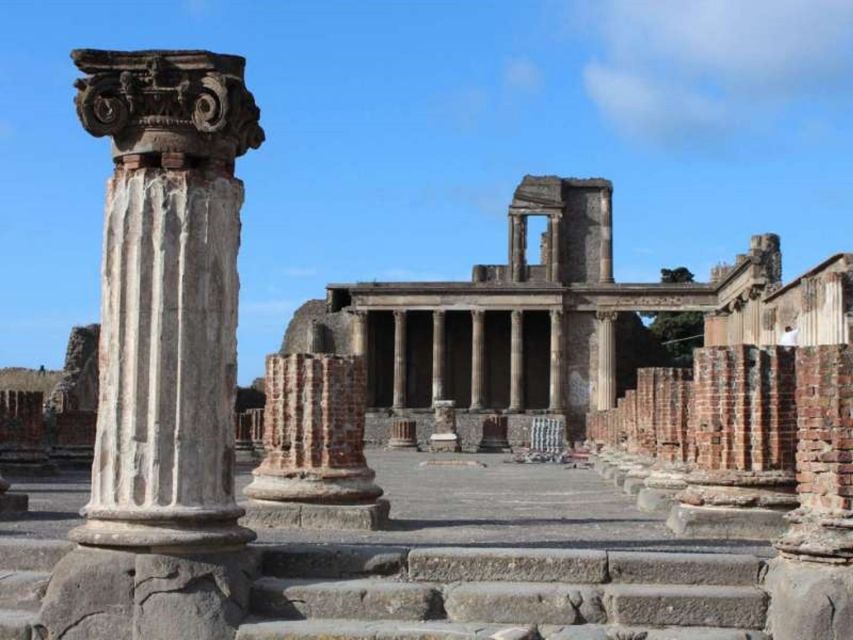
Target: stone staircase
column 314, row 591
column 330, row 592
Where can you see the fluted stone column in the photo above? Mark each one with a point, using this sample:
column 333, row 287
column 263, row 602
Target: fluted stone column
column 438, row 354
column 517, row 258
column 399, row 359
column 516, row 362
column 163, row 476
column 478, row 347
column 606, row 359
column 556, row 378
column 359, row 333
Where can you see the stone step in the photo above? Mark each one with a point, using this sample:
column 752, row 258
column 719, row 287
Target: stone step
column 16, row 625
column 456, row 564
column 684, row 568
column 22, row 590
column 686, row 605
column 363, row 630
column 23, row 554
column 362, row 599
column 610, row 632
column 331, row 561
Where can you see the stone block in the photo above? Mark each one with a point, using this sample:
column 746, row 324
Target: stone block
column 516, row 602
column 12, row 504
column 22, row 590
column 382, row 630
column 721, row 522
column 268, row 514
column 611, row 632
column 367, row 599
column 684, row 568
column 333, row 561
column 16, row 625
column 656, row 500
column 456, row 564
column 24, row 554
column 687, row 606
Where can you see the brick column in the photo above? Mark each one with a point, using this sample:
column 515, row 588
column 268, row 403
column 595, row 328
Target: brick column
column 15, row 410
column 314, row 474
column 810, row 581
column 555, row 403
column 478, row 348
column 163, row 476
column 606, row 359
column 439, row 355
column 399, row 359
column 23, row 439
column 516, row 363
column 744, row 421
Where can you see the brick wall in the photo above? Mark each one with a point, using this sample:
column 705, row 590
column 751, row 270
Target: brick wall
column 21, row 418
column 314, row 416
column 825, row 428
column 743, row 414
column 673, row 392
column 75, row 429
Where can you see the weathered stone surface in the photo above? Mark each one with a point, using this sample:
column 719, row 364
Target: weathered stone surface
column 13, row 504
column 656, row 500
column 683, row 568
column 365, row 517
column 810, row 600
column 720, row 522
column 16, row 625
column 367, row 599
column 333, row 561
column 23, row 554
column 357, row 630
column 522, row 565
column 618, row 632
column 22, row 590
column 683, row 605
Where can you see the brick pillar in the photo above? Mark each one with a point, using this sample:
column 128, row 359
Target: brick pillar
column 811, row 581
column 744, row 421
column 314, row 436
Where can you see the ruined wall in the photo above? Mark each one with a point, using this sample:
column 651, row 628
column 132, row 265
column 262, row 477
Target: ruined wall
column 335, row 330
column 78, row 388
column 29, row 379
column 825, row 428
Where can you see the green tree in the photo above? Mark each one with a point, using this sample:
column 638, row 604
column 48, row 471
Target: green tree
column 679, row 331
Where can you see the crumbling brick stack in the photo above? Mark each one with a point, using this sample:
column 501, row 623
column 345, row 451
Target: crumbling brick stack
column 743, row 418
column 313, row 435
column 823, row 524
column 23, row 440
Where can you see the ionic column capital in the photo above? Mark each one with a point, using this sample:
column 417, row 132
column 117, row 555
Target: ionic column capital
column 168, row 102
column 607, row 315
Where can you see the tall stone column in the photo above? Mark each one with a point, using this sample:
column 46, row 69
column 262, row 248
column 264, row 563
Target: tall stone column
column 359, row 333
column 606, row 247
column 606, row 359
column 438, row 354
column 517, row 259
column 556, row 380
column 556, row 266
column 163, row 476
column 478, row 348
column 516, row 362
column 399, row 359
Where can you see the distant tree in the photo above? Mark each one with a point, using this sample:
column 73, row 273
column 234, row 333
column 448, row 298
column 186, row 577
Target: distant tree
column 679, row 331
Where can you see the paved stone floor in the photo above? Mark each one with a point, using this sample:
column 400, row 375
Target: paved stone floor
column 501, row 504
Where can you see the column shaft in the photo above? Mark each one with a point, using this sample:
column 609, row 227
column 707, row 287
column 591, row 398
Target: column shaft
column 438, row 354
column 478, row 344
column 516, row 364
column 606, row 269
column 399, row 359
column 556, row 378
column 359, row 333
column 556, row 267
column 606, row 360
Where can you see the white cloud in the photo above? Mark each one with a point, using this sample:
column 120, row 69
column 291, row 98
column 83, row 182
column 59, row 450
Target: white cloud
column 520, row 74
column 671, row 70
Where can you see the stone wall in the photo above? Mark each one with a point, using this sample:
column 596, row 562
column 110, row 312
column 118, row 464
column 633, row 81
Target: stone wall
column 334, row 330
column 21, row 419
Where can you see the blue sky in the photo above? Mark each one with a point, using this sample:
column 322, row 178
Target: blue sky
column 397, row 131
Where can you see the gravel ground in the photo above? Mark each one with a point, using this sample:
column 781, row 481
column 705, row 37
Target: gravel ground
column 501, row 504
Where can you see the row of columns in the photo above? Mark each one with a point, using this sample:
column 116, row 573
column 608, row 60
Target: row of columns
column 478, row 352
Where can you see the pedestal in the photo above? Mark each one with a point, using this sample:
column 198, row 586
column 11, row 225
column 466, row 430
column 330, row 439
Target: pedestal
column 404, row 435
column 445, row 439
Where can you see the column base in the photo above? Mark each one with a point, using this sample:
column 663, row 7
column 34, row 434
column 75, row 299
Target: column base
column 444, row 443
column 100, row 594
column 660, row 491
column 407, row 445
column 635, row 481
column 317, row 486
column 162, row 530
column 726, row 522
column 818, row 537
column 12, row 504
column 301, row 515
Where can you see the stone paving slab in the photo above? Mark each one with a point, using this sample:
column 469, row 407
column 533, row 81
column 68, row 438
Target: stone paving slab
column 502, row 504
column 356, row 630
